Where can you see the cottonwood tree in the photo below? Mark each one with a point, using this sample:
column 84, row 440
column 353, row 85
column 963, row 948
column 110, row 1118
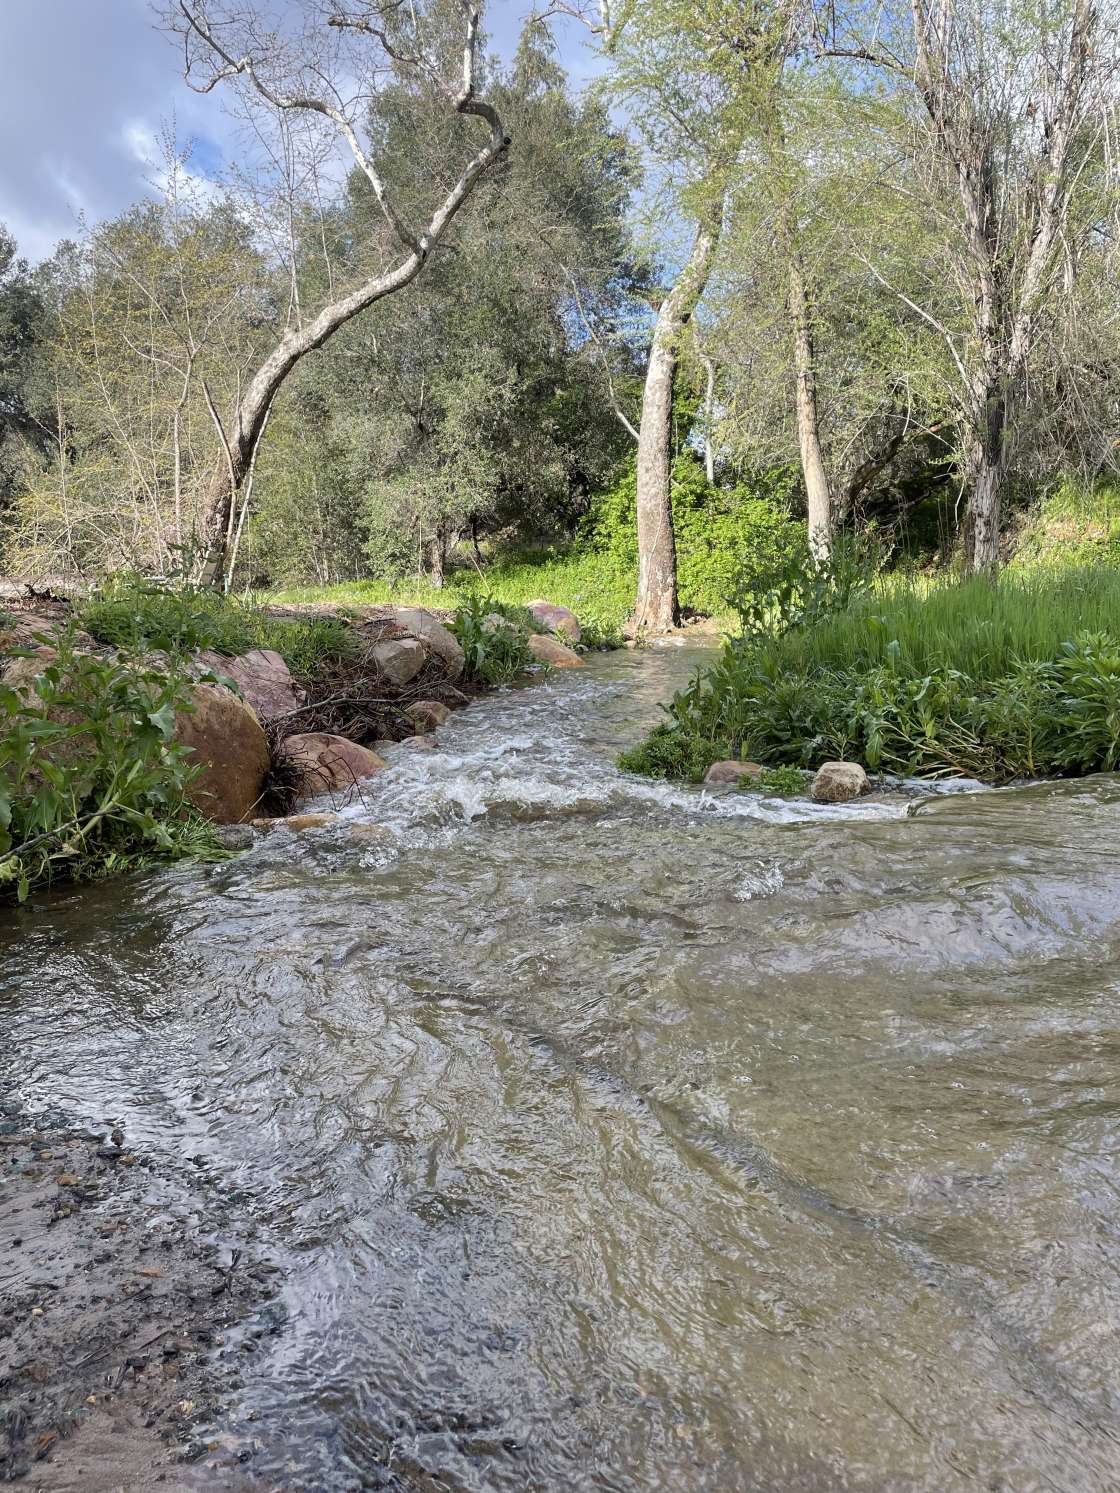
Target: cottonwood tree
column 330, row 72
column 1008, row 142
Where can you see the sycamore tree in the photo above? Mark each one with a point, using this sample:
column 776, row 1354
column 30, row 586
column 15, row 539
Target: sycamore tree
column 329, row 71
column 690, row 75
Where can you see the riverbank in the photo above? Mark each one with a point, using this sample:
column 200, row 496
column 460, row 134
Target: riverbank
column 139, row 719
column 128, row 1308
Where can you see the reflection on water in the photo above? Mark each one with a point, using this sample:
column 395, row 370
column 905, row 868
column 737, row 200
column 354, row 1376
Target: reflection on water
column 617, row 1136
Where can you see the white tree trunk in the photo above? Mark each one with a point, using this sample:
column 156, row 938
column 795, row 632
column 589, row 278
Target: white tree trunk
column 656, row 608
column 818, row 492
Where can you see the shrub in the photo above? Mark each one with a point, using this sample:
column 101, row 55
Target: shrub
column 495, row 652
column 91, row 780
column 717, row 530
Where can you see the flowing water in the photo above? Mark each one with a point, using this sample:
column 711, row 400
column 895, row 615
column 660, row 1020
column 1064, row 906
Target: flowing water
column 619, row 1136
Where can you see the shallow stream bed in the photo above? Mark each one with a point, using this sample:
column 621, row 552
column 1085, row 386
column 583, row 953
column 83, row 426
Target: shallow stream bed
column 620, row 1136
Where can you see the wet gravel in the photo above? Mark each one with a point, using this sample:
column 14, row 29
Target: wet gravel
column 128, row 1307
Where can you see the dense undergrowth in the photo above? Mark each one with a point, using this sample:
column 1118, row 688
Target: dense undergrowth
column 999, row 680
column 91, row 779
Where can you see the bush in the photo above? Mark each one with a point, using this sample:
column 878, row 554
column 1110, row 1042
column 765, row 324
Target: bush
column 130, row 612
column 495, row 653
column 995, row 682
column 717, row 530
column 91, row 780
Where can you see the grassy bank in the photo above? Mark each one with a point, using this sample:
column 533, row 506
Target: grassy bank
column 1021, row 678
column 600, row 594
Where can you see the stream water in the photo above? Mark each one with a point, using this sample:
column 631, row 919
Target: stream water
column 620, row 1136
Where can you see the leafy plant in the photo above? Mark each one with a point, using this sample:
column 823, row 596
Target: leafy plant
column 784, row 782
column 493, row 639
column 994, row 682
column 91, row 779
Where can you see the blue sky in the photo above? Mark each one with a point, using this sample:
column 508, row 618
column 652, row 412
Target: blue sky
column 86, row 86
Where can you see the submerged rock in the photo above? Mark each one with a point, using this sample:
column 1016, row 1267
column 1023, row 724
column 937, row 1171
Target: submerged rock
column 237, row 836
column 427, row 714
column 263, row 678
column 330, row 763
column 556, row 619
column 549, row 650
column 437, row 640
column 399, row 659
column 227, row 741
column 837, row 782
column 297, row 822
column 420, row 743
column 731, row 771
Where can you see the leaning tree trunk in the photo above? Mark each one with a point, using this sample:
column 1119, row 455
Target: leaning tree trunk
column 655, row 608
column 817, row 490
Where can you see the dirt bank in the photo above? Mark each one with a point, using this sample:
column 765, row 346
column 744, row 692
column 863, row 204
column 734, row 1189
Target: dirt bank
column 127, row 1306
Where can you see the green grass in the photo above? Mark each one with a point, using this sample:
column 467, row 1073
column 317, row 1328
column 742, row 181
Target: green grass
column 1017, row 679
column 979, row 629
column 599, row 592
column 130, row 613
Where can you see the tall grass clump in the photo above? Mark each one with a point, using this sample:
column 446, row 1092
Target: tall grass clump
column 176, row 618
column 1017, row 678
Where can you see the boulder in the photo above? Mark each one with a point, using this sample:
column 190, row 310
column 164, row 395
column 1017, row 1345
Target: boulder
column 732, row 771
column 556, row 619
column 439, row 642
column 20, row 630
column 262, row 677
column 837, row 782
column 549, row 650
column 226, row 740
column 330, row 763
column 420, row 743
column 399, row 660
column 427, row 714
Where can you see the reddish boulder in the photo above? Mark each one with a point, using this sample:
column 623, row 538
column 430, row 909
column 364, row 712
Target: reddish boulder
column 556, row 619
column 732, row 771
column 262, row 677
column 226, row 741
column 330, row 764
column 549, row 650
column 427, row 714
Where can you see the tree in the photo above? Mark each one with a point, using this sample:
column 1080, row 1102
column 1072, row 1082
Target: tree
column 370, row 42
column 21, row 328
column 473, row 402
column 1008, row 145
column 690, row 76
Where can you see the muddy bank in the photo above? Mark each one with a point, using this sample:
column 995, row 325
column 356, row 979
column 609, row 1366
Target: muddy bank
column 129, row 1307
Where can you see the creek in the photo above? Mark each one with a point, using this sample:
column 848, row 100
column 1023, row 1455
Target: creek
column 615, row 1135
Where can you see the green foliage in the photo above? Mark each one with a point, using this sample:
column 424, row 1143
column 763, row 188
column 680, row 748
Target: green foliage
column 717, row 531
column 1072, row 525
column 995, row 682
column 91, row 780
column 130, row 612
column 782, row 586
column 670, row 752
column 494, row 639
column 600, row 596
column 783, row 782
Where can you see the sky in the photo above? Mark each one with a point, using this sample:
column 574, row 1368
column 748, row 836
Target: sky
column 86, row 89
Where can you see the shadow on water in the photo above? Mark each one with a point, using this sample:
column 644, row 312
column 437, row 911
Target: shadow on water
column 618, row 1136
